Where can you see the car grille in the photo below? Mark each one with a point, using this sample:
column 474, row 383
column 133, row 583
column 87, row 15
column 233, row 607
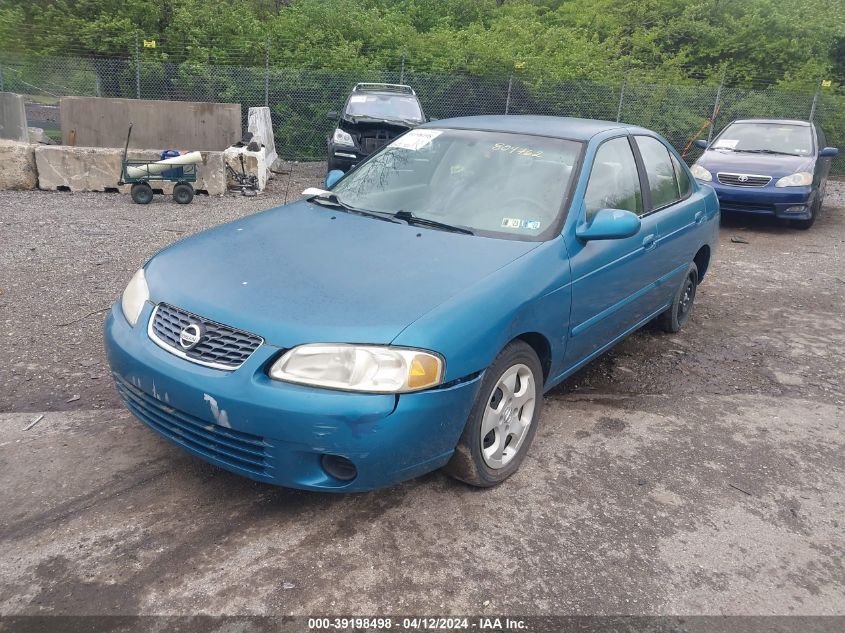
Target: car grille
column 221, row 346
column 743, row 180
column 227, row 446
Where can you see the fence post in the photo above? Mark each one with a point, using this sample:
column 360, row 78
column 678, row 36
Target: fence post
column 267, row 72
column 716, row 104
column 98, row 91
column 1, row 78
column 815, row 101
column 621, row 96
column 402, row 71
column 137, row 68
column 508, row 99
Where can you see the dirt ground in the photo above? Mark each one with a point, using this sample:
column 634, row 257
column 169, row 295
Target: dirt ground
column 700, row 473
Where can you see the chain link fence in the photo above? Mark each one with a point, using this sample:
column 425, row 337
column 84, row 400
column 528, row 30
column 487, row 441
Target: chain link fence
column 300, row 99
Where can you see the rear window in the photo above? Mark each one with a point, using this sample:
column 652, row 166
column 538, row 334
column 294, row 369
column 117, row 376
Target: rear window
column 659, row 170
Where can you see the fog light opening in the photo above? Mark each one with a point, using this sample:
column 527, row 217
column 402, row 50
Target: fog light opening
column 796, row 209
column 339, row 467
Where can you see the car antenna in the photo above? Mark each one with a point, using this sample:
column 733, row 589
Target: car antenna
column 290, row 175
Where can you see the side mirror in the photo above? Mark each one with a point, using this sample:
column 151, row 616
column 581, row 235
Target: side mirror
column 431, row 118
column 829, row 151
column 701, row 143
column 332, row 177
column 332, row 116
column 609, row 224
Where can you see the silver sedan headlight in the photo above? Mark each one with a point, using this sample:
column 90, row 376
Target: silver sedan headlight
column 800, row 179
column 134, row 297
column 699, row 173
column 365, row 368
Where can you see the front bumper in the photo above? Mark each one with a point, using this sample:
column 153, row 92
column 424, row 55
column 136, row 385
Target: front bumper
column 278, row 432
column 793, row 203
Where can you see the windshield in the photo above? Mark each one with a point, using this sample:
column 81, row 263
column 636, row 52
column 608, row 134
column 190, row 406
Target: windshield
column 495, row 183
column 384, row 107
column 781, row 138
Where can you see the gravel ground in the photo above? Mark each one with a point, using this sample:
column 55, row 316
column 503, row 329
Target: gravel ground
column 700, row 473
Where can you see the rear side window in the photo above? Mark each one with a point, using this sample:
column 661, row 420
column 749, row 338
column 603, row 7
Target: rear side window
column 614, row 182
column 659, row 171
column 684, row 185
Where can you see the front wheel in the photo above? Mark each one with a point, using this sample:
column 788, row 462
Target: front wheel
column 814, row 211
column 679, row 313
column 141, row 193
column 503, row 420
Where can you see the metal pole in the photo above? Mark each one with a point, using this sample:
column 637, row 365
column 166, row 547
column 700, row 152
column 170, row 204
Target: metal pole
column 267, row 72
column 1, row 78
column 98, row 91
column 815, row 101
column 508, row 100
column 402, row 72
column 137, row 68
column 621, row 97
column 716, row 105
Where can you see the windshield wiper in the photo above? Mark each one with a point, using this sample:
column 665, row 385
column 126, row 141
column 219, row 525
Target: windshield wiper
column 414, row 220
column 331, row 199
column 766, row 151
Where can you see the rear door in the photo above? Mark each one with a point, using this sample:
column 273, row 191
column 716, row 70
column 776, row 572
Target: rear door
column 612, row 287
column 677, row 211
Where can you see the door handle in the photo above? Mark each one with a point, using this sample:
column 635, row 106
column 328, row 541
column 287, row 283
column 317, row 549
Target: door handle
column 699, row 217
column 649, row 242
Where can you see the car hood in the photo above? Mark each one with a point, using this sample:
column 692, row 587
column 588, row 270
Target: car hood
column 304, row 273
column 772, row 165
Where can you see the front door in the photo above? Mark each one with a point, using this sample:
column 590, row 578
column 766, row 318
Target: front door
column 612, row 280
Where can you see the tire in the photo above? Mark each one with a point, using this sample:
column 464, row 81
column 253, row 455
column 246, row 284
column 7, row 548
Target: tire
column 183, row 193
column 679, row 313
column 478, row 460
column 814, row 211
column 141, row 193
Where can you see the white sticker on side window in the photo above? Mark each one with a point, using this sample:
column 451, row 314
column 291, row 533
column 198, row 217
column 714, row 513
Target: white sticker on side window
column 416, row 139
column 728, row 143
column 357, row 99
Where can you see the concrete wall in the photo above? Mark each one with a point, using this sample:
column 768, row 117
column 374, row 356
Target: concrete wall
column 98, row 169
column 182, row 125
column 17, row 165
column 13, row 117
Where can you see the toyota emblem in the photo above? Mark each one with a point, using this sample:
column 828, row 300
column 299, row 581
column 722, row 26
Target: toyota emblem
column 190, row 336
column 743, row 178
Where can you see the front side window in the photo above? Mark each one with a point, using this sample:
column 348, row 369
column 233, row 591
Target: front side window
column 659, row 171
column 766, row 138
column 494, row 183
column 377, row 106
column 614, row 181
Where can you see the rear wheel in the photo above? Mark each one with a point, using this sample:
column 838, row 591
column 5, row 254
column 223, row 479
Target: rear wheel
column 503, row 419
column 679, row 313
column 183, row 193
column 141, row 193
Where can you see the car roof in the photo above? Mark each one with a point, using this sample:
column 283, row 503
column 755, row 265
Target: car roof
column 555, row 126
column 784, row 121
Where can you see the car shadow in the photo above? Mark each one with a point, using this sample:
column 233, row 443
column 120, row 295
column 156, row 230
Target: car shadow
column 758, row 223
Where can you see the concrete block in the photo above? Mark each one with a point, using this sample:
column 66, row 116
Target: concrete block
column 13, row 118
column 98, row 169
column 17, row 165
column 255, row 164
column 181, row 125
column 261, row 125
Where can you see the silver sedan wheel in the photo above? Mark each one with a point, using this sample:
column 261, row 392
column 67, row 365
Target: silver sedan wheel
column 507, row 416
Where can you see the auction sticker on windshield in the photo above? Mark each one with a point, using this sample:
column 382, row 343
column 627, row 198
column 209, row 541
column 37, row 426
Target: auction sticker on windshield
column 416, row 139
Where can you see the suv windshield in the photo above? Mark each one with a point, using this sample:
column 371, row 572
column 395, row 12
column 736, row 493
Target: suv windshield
column 494, row 183
column 379, row 106
column 779, row 138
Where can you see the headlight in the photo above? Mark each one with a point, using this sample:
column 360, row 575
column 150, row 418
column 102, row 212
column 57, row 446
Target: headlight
column 801, row 179
column 134, row 297
column 368, row 368
column 343, row 138
column 699, row 173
